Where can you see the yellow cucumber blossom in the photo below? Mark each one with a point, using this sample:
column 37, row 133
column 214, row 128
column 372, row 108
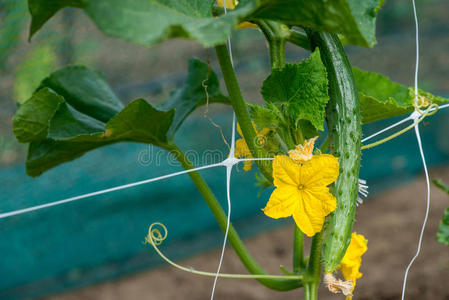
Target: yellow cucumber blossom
column 301, row 189
column 350, row 264
column 231, row 4
column 241, row 147
column 304, row 152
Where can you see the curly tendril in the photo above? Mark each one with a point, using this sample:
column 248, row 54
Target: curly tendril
column 157, row 233
column 431, row 109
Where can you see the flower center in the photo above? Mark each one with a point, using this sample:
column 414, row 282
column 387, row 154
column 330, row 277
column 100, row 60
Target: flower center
column 301, row 186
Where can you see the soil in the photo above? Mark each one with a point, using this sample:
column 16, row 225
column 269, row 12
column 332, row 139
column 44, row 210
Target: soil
column 391, row 221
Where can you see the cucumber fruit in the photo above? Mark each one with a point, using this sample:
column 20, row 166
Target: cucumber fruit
column 345, row 132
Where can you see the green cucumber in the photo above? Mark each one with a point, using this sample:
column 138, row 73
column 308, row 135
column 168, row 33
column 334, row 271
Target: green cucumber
column 345, row 132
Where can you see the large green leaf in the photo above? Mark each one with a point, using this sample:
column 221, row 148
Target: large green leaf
column 149, row 21
column 299, row 90
column 381, row 98
column 75, row 111
column 200, row 87
column 71, row 133
column 355, row 19
column 86, row 91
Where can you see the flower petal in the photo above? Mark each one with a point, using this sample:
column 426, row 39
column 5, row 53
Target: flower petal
column 314, row 206
column 283, row 202
column 241, row 149
column 285, row 171
column 321, row 170
column 247, row 165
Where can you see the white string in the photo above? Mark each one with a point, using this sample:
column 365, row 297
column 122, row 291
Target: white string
column 113, row 189
column 421, row 152
column 386, row 129
column 228, row 177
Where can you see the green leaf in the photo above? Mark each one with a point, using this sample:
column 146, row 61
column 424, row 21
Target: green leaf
column 443, row 229
column 32, row 119
column 439, row 183
column 72, row 133
column 75, row 111
column 150, row 21
column 86, row 91
column 201, row 86
column 381, row 98
column 355, row 19
column 267, row 116
column 299, row 90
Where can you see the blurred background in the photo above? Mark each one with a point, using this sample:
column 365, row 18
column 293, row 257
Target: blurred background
column 92, row 249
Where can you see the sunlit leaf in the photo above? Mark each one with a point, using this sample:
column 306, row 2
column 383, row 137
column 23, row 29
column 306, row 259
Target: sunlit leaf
column 299, row 90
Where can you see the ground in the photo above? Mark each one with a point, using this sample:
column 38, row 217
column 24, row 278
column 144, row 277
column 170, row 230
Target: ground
column 391, row 222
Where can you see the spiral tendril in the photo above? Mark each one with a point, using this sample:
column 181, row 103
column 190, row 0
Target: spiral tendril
column 157, row 233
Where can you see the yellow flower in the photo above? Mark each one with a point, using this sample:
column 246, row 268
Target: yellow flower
column 304, row 152
column 241, row 148
column 302, row 192
column 231, row 4
column 350, row 264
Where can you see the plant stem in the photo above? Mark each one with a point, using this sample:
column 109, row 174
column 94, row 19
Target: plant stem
column 298, row 251
column 276, row 34
column 313, row 274
column 241, row 112
column 245, row 257
column 299, row 39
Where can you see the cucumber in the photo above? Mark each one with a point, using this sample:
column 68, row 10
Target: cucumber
column 345, row 132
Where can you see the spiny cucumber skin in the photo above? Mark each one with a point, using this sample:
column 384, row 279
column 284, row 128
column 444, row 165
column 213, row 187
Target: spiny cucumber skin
column 345, row 133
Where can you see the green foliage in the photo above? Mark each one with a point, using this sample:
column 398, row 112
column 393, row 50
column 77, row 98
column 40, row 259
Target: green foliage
column 299, row 91
column 443, row 229
column 381, row 98
column 75, row 111
column 355, row 19
column 42, row 11
column 201, row 86
column 150, row 21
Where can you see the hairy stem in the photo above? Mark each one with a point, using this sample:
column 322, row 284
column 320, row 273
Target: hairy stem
column 241, row 112
column 276, row 34
column 313, row 274
column 245, row 257
column 298, row 251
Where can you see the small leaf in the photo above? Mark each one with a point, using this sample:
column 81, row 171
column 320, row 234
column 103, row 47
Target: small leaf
column 201, row 83
column 443, row 229
column 381, row 98
column 299, row 90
